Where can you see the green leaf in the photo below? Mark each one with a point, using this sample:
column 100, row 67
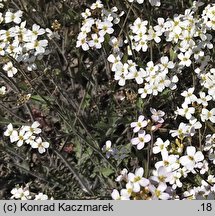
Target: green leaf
column 172, row 54
column 106, row 171
column 40, row 99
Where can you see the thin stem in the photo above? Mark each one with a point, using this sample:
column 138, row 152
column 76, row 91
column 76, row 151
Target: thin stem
column 200, row 140
column 30, row 173
column 202, row 177
column 13, row 114
column 126, row 18
column 14, row 86
column 149, row 155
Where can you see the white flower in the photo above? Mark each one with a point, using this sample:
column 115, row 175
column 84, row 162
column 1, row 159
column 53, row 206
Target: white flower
column 189, row 96
column 2, row 48
column 82, row 42
column 116, row 43
column 86, row 14
column 97, row 4
column 115, row 60
column 151, row 68
column 107, row 148
column 166, row 64
column 105, row 27
column 140, row 1
column 128, row 191
column 139, row 26
column 137, row 179
column 210, row 179
column 20, row 193
column 203, row 99
column 13, row 17
column 209, row 142
column 160, row 27
column 181, row 132
column 141, row 139
column 186, row 111
column 190, row 195
column 121, row 73
column 115, row 195
column 2, row 90
column 189, row 161
column 185, row 59
column 154, row 35
column 41, row 196
column 123, row 175
column 142, row 44
column 145, row 91
column 157, row 115
column 160, row 146
column 33, row 129
column 175, row 182
column 158, row 193
column 51, row 34
column 20, row 137
column 30, row 139
column 141, row 123
column 137, row 75
column 10, row 69
column 168, row 161
column 162, row 176
column 42, row 146
column 11, row 132
column 96, row 41
column 38, row 45
column 208, row 115
column 36, row 30
column 156, row 3
column 194, row 124
column 203, row 166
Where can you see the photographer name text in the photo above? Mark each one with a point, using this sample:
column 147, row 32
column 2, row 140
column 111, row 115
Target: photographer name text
column 64, row 207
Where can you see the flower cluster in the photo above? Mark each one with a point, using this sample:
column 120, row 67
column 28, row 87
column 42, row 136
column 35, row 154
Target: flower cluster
column 27, row 135
column 179, row 160
column 150, row 125
column 142, row 136
column 189, row 38
column 154, row 77
column 199, row 111
column 21, row 43
column 138, row 187
column 160, row 186
column 23, row 193
column 97, row 25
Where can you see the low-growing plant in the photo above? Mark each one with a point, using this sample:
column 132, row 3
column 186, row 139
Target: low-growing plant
column 107, row 99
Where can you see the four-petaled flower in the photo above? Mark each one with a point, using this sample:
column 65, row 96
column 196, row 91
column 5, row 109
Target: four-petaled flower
column 137, row 179
column 42, row 146
column 192, row 158
column 141, row 123
column 141, row 139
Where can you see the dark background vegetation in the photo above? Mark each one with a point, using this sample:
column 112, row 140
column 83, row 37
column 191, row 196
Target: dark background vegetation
column 78, row 104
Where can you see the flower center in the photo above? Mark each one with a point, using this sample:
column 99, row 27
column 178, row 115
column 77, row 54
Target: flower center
column 137, row 178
